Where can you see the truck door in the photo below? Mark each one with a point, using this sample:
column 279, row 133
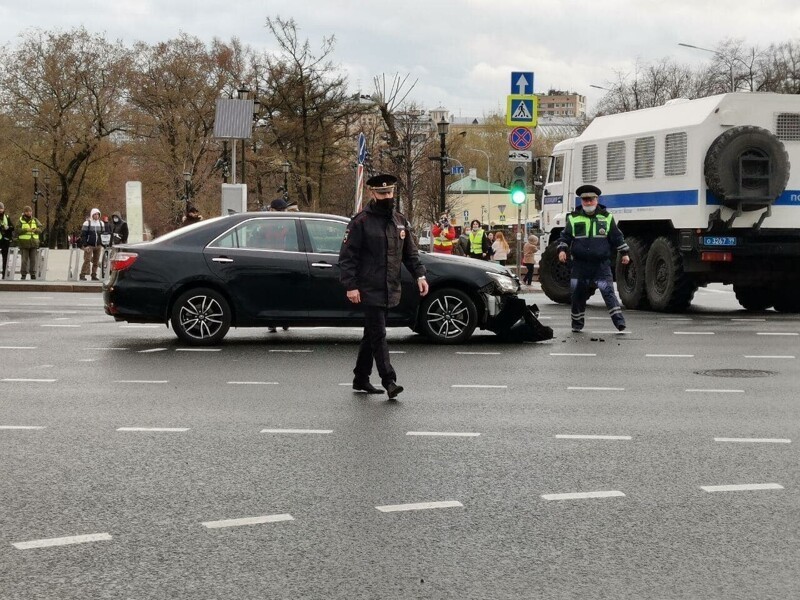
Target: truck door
column 557, row 195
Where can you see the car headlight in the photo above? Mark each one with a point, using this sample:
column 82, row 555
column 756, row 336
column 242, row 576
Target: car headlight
column 504, row 283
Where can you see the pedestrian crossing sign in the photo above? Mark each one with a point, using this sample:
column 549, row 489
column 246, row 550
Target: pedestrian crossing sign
column 522, row 110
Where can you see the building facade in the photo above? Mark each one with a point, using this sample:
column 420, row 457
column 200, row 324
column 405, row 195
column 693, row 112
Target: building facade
column 557, row 103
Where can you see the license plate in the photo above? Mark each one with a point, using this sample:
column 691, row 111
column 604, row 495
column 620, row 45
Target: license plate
column 715, row 240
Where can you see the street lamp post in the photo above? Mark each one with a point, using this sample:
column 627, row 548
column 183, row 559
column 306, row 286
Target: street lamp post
column 442, row 126
column 727, row 60
column 286, row 166
column 35, row 172
column 243, row 93
column 47, row 207
column 488, row 182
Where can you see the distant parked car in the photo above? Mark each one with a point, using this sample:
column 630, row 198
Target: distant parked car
column 273, row 269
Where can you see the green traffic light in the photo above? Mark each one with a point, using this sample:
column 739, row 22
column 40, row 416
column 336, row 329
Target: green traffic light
column 518, row 196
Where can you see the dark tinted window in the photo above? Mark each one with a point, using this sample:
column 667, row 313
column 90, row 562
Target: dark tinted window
column 325, row 236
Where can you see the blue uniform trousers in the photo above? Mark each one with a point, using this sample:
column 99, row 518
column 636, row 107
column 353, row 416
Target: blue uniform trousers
column 584, row 274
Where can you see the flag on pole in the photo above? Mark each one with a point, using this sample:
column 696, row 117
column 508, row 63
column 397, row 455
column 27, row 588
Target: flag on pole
column 362, row 155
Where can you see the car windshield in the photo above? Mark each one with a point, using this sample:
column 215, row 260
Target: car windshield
column 181, row 230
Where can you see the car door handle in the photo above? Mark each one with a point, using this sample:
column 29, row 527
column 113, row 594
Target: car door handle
column 222, row 259
column 322, row 265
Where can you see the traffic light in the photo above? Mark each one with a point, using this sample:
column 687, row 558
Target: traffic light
column 519, row 185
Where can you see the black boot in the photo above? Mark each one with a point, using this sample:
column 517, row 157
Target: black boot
column 365, row 386
column 393, row 389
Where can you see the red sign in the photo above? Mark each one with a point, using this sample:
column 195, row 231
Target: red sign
column 520, row 138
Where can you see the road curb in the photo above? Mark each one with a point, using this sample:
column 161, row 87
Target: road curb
column 50, row 286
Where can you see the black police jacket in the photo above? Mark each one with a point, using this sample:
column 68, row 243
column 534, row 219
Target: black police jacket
column 376, row 244
column 591, row 238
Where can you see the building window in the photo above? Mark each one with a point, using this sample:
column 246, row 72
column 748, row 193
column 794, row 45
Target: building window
column 589, row 164
column 675, row 153
column 615, row 161
column 644, row 157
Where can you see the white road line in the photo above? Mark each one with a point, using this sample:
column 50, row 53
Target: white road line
column 105, row 348
column 768, row 356
column 20, row 380
column 293, row 351
column 247, row 521
column 479, row 353
column 17, row 347
column 592, row 437
column 693, row 332
column 669, row 355
column 418, row 506
column 297, row 431
column 151, row 350
column 140, row 326
column 57, row 325
column 21, row 427
column 197, row 349
column 747, row 320
column 746, row 487
column 609, row 332
column 397, row 351
column 157, row 429
column 755, row 440
column 571, row 354
column 87, row 359
column 443, row 433
column 256, row 383
column 678, row 319
column 709, row 291
column 62, row 541
column 142, row 381
column 597, row 389
column 715, row 391
column 492, row 387
column 8, row 323
column 583, row 495
column 776, row 333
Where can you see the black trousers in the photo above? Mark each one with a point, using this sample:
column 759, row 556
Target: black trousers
column 4, row 245
column 374, row 347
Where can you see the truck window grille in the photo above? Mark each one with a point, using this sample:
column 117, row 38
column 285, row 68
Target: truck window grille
column 675, row 153
column 589, row 164
column 788, row 126
column 615, row 161
column 644, row 157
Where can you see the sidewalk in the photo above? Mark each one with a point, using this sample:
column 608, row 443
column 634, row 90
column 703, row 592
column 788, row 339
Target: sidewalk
column 55, row 280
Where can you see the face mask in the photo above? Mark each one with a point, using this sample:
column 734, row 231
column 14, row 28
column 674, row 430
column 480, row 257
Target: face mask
column 116, row 220
column 589, row 210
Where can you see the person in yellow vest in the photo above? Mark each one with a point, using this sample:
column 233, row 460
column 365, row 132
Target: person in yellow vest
column 479, row 246
column 443, row 234
column 28, row 242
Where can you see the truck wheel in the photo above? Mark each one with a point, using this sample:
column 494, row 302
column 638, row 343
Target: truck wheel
column 668, row 287
column 630, row 277
column 765, row 173
column 554, row 275
column 754, row 299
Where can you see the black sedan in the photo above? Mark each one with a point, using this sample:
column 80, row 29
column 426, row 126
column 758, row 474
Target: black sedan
column 273, row 269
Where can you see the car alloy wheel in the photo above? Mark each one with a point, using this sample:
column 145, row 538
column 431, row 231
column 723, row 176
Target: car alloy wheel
column 201, row 317
column 448, row 316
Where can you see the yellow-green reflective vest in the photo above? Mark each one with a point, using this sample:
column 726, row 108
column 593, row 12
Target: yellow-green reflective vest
column 476, row 241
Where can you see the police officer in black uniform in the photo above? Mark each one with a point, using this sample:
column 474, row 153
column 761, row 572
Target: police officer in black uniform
column 377, row 242
column 589, row 235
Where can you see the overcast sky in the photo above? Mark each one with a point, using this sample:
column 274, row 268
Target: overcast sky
column 462, row 52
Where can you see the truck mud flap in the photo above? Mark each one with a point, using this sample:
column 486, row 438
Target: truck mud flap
column 518, row 322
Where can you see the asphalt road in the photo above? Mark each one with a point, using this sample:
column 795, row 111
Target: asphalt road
column 252, row 471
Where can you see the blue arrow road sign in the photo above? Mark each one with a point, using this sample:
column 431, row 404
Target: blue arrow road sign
column 457, row 170
column 522, row 82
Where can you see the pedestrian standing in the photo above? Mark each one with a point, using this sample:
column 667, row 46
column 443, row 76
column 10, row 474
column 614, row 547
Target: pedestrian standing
column 590, row 235
column 377, row 242
column 529, row 251
column 6, row 235
column 192, row 216
column 500, row 248
column 28, row 242
column 91, row 242
column 478, row 242
column 443, row 234
column 119, row 229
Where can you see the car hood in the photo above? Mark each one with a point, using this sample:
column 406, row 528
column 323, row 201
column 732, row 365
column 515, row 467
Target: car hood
column 432, row 258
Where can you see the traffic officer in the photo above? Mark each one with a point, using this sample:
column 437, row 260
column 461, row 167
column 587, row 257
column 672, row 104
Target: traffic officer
column 590, row 235
column 376, row 243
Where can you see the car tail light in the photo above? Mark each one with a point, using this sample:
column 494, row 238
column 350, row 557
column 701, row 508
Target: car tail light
column 716, row 256
column 122, row 261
